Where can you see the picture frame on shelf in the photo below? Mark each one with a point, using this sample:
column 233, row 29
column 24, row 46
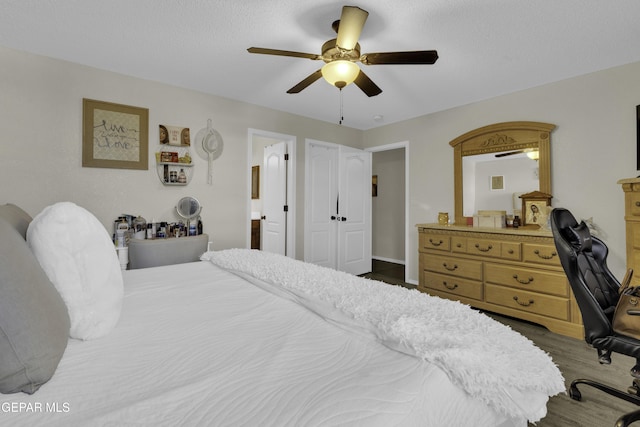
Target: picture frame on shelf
column 174, row 135
column 114, row 135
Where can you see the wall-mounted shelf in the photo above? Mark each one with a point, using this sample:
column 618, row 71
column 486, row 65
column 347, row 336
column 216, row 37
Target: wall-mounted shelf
column 165, row 170
column 169, row 172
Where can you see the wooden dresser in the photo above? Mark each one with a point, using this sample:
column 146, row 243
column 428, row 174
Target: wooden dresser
column 631, row 188
column 515, row 272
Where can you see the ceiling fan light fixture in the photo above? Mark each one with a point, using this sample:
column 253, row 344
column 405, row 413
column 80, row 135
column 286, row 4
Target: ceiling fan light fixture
column 340, row 73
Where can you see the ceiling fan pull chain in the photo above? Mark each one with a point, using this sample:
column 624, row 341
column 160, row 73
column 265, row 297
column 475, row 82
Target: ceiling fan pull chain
column 341, row 108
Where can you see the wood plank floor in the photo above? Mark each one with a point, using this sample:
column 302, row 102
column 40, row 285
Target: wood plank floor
column 575, row 360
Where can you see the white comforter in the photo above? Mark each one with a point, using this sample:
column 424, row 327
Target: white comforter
column 199, row 346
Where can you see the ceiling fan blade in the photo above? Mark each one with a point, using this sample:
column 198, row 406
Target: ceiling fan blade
column 509, row 153
column 306, row 82
column 412, row 57
column 351, row 22
column 367, row 85
column 266, row 51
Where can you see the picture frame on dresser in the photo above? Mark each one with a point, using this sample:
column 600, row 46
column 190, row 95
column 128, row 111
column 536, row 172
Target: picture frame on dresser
column 534, row 208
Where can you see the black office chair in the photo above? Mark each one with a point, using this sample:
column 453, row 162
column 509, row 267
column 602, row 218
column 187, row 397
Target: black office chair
column 584, row 259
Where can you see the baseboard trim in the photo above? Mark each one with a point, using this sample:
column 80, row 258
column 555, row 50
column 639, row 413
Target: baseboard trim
column 395, row 261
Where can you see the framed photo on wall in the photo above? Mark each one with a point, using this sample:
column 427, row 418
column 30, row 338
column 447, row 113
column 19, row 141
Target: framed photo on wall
column 534, row 208
column 114, row 135
column 497, row 182
column 638, row 137
column 255, row 182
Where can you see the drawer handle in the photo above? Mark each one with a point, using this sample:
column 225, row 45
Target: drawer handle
column 524, row 304
column 638, row 204
column 487, row 249
column 537, row 252
column 448, row 286
column 438, row 243
column 458, row 245
column 455, row 266
column 524, row 282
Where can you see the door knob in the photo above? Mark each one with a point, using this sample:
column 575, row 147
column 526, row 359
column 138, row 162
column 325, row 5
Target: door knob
column 333, row 217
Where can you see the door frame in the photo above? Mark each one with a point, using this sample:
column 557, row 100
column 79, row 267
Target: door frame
column 290, row 140
column 393, row 146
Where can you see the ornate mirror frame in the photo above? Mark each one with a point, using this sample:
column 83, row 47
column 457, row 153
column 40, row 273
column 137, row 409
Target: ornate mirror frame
column 502, row 137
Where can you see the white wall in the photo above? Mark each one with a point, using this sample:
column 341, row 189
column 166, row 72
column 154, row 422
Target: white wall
column 593, row 146
column 41, row 145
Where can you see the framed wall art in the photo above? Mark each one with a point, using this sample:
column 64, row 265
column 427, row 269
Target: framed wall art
column 374, row 186
column 255, row 182
column 114, row 135
column 638, row 136
column 497, row 182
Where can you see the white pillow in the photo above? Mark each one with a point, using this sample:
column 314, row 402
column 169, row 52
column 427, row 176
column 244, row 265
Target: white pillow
column 77, row 254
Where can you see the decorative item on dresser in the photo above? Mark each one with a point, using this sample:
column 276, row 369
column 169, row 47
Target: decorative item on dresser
column 631, row 188
column 515, row 272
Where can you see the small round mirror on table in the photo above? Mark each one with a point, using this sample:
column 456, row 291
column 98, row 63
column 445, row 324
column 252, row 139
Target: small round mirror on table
column 188, row 208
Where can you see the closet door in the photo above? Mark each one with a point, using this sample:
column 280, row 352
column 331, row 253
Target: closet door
column 321, row 205
column 338, row 207
column 354, row 222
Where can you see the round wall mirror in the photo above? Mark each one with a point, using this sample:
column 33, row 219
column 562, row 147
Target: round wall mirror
column 188, row 207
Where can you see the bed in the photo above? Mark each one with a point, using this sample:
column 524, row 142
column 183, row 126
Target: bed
column 247, row 338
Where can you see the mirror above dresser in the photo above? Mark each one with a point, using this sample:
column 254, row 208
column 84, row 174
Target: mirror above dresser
column 500, row 143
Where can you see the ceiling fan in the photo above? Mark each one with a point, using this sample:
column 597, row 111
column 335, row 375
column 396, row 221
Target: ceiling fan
column 532, row 153
column 341, row 54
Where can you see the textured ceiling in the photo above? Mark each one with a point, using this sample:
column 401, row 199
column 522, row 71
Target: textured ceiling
column 486, row 47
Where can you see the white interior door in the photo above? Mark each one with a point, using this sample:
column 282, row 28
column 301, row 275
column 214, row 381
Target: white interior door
column 354, row 225
column 321, row 209
column 274, row 220
column 338, row 207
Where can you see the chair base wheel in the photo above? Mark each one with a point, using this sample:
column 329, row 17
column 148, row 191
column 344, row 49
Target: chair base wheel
column 574, row 393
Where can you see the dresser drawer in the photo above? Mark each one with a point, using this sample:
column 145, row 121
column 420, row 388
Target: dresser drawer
column 453, row 285
column 531, row 302
column 484, row 247
column 529, row 279
column 435, row 241
column 459, row 244
column 634, row 203
column 510, row 250
column 633, row 234
column 454, row 266
column 540, row 254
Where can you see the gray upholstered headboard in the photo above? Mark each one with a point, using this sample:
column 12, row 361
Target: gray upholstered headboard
column 34, row 322
column 16, row 217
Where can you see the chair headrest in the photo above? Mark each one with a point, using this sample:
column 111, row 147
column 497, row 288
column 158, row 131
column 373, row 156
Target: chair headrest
column 579, row 237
